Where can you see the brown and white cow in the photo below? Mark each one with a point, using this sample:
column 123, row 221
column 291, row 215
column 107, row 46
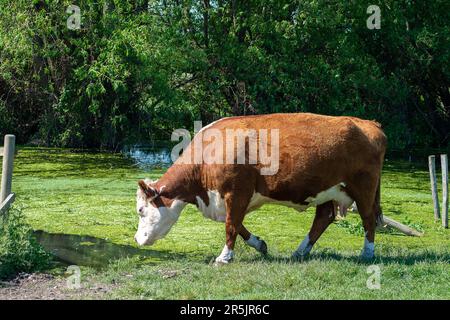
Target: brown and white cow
column 324, row 161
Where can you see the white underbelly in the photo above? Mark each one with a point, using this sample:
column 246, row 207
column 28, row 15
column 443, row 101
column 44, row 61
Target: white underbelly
column 334, row 193
column 216, row 211
column 258, row 200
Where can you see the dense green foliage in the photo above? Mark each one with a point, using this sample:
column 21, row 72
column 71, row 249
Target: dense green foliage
column 19, row 251
column 137, row 69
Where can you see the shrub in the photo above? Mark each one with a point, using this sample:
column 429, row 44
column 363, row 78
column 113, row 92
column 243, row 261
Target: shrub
column 19, row 250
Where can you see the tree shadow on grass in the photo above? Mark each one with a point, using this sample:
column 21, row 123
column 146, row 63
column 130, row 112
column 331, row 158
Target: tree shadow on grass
column 94, row 252
column 69, row 163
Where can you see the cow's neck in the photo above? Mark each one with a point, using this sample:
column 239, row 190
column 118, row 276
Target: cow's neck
column 182, row 182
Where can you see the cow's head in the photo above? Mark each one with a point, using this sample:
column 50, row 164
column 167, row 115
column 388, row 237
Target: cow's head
column 157, row 213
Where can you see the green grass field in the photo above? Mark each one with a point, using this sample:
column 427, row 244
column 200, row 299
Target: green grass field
column 94, row 194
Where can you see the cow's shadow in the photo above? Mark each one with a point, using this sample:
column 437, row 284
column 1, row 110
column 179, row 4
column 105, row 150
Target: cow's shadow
column 409, row 259
column 97, row 253
column 68, row 249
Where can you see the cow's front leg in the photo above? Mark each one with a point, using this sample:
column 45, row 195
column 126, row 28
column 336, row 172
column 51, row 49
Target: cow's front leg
column 227, row 254
column 253, row 241
column 233, row 226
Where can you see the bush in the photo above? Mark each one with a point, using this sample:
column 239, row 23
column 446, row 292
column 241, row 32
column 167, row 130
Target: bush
column 138, row 69
column 19, row 250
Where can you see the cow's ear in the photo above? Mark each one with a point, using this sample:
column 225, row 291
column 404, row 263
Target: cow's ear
column 149, row 191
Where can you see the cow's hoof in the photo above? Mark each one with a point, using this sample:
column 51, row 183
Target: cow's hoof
column 223, row 259
column 263, row 247
column 366, row 256
column 221, row 262
column 297, row 256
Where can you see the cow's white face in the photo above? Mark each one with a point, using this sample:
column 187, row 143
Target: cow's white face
column 155, row 220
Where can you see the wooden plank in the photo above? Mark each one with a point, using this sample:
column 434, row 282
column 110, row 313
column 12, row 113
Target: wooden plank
column 7, row 169
column 392, row 223
column 434, row 192
column 401, row 227
column 444, row 168
column 7, row 203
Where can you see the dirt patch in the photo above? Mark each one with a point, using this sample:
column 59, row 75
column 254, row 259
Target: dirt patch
column 41, row 286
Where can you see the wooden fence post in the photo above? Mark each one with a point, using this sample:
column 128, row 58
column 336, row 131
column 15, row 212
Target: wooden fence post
column 8, row 160
column 434, row 192
column 444, row 167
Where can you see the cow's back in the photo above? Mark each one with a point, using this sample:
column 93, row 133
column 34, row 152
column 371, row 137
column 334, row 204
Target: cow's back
column 306, row 137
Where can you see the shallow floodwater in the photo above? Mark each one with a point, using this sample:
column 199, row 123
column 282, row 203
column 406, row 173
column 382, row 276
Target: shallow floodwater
column 149, row 157
column 84, row 250
column 70, row 249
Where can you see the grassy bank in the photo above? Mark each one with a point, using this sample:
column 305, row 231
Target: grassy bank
column 93, row 194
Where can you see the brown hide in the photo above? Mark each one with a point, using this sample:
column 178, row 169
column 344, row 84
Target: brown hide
column 315, row 152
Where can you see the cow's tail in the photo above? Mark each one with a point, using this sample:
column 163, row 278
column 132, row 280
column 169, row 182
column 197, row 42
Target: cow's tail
column 377, row 205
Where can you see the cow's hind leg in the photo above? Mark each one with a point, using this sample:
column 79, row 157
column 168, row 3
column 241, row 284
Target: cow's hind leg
column 369, row 223
column 367, row 198
column 253, row 241
column 325, row 214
